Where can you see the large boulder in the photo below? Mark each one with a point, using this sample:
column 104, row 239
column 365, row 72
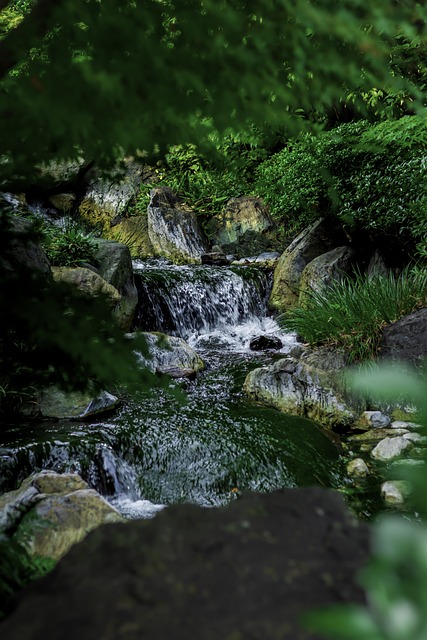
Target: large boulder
column 314, row 241
column 108, row 198
column 169, row 355
column 242, row 228
column 133, row 232
column 23, row 250
column 56, row 403
column 312, row 387
column 173, row 228
column 114, row 264
column 250, row 570
column 87, row 282
column 406, row 339
column 55, row 510
column 324, row 270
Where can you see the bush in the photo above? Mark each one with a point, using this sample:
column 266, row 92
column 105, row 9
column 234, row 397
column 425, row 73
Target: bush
column 69, row 246
column 369, row 177
column 353, row 312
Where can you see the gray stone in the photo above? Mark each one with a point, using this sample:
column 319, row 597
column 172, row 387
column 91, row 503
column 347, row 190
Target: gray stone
column 56, row 403
column 298, row 388
column 169, row 355
column 173, row 228
column 115, row 266
column 58, row 510
column 374, row 419
column 243, row 226
column 377, row 265
column 357, row 468
column 406, row 339
column 324, row 270
column 24, row 250
column 403, row 424
column 309, row 244
column 88, row 283
column 394, row 492
column 391, row 448
column 108, row 198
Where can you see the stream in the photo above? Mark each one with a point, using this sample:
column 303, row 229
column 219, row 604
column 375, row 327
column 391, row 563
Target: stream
column 201, row 440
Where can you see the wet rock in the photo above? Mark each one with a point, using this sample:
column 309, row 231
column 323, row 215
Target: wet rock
column 394, row 492
column 56, row 510
column 391, row 448
column 264, row 343
column 377, row 265
column 115, row 266
column 173, row 228
column 357, row 468
column 298, row 388
column 215, row 258
column 406, row 339
column 324, row 270
column 56, row 403
column 311, row 243
column 63, row 202
column 170, row 355
column 403, row 424
column 374, row 419
column 211, row 573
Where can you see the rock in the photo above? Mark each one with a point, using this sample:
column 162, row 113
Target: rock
column 402, row 424
column 115, row 266
column 311, row 243
column 391, row 448
column 323, row 271
column 216, row 258
column 394, row 492
column 56, row 510
column 406, row 339
column 63, row 202
column 298, row 388
column 173, row 228
column 169, row 355
column 133, row 232
column 377, row 265
column 357, row 468
column 108, row 198
column 242, row 227
column 375, row 435
column 22, row 250
column 374, row 419
column 88, row 283
column 262, row 343
column 56, row 403
column 251, row 570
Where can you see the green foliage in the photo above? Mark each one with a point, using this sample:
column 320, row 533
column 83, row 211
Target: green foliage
column 80, row 61
column 69, row 246
column 352, row 313
column 369, row 177
column 51, row 336
column 17, row 566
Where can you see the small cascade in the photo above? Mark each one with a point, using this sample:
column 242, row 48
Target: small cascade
column 190, row 301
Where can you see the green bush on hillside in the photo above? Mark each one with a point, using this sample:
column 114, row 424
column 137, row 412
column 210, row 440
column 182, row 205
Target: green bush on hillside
column 366, row 176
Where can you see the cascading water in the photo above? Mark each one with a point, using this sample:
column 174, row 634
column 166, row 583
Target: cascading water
column 203, row 446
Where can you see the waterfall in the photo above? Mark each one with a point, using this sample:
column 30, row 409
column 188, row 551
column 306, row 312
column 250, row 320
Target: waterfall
column 190, row 301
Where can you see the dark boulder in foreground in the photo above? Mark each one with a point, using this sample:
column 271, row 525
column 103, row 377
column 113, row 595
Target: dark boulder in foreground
column 246, row 571
column 406, row 339
column 263, row 343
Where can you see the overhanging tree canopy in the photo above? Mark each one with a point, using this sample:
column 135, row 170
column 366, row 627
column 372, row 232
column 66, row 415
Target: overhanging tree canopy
column 107, row 77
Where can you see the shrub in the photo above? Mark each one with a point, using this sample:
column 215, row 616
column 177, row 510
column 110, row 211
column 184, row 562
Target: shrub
column 69, row 246
column 352, row 313
column 367, row 176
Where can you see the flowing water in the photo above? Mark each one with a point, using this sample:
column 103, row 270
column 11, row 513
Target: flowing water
column 198, row 440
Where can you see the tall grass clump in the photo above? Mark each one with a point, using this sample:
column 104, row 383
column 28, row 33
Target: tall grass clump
column 351, row 313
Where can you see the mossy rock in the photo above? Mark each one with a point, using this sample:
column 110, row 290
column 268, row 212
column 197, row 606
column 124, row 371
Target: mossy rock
column 133, row 232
